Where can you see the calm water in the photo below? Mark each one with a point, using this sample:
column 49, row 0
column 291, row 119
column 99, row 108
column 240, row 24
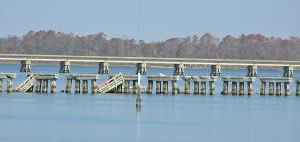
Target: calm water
column 60, row 117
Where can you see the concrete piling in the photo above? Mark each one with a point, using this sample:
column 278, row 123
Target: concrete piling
column 241, row 88
column 174, row 87
column 287, row 91
column 196, row 87
column 262, row 88
column 187, row 86
column 250, row 88
column 126, row 86
column 234, row 88
column 297, row 88
column 203, row 87
column 288, row 71
column 1, row 86
column 84, row 86
column 135, row 87
column 45, row 86
column 278, row 88
column 271, row 88
column 38, row 86
column 77, row 86
column 68, row 85
column 150, row 87
column 158, row 87
column 225, row 88
column 53, row 86
column 211, row 87
column 119, row 88
column 94, row 86
column 9, row 85
column 165, row 87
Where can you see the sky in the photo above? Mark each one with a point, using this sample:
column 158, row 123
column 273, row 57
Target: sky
column 152, row 20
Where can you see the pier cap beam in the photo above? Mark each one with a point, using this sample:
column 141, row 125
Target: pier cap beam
column 65, row 67
column 25, row 66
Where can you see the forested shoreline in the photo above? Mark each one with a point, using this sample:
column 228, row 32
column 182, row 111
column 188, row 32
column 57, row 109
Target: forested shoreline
column 251, row 46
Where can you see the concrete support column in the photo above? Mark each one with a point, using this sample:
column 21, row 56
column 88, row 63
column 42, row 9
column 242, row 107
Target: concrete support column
column 271, row 88
column 68, row 85
column 85, row 86
column 288, row 71
column 150, row 87
column 53, row 86
column 215, row 70
column 165, row 87
column 119, row 88
column 187, row 86
column 65, row 67
column 174, row 87
column 1, row 86
column 141, row 68
column 25, row 66
column 297, row 88
column 250, row 88
column 38, row 86
column 126, row 86
column 212, row 87
column 225, row 88
column 93, row 86
column 203, row 87
column 241, row 88
column 77, row 86
column 252, row 71
column 135, row 87
column 103, row 67
column 196, row 87
column 234, row 88
column 287, row 91
column 45, row 86
column 9, row 85
column 158, row 87
column 178, row 69
column 278, row 88
column 262, row 88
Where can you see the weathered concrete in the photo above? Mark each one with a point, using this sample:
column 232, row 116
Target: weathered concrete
column 1, row 86
column 165, row 87
column 77, row 86
column 252, row 71
column 45, row 86
column 65, row 67
column 38, row 85
column 250, row 88
column 203, row 87
column 25, row 66
column 262, row 88
column 150, row 87
column 178, row 69
column 287, row 91
column 84, row 86
column 141, row 68
column 196, row 87
column 174, row 87
column 126, row 86
column 9, row 85
column 241, row 88
column 278, row 88
column 68, row 85
column 135, row 87
column 215, row 70
column 158, row 87
column 297, row 87
column 103, row 67
column 212, row 88
column 187, row 85
column 94, row 86
column 271, row 88
column 225, row 88
column 53, row 86
column 234, row 88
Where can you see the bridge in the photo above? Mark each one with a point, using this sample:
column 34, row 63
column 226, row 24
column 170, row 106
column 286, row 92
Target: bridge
column 142, row 63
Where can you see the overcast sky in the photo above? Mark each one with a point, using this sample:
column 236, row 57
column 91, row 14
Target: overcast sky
column 152, row 20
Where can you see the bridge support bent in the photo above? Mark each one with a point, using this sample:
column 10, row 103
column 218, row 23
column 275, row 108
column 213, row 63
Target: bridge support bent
column 141, row 68
column 103, row 67
column 178, row 69
column 25, row 66
column 65, row 67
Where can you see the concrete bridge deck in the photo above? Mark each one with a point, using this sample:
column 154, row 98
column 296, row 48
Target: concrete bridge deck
column 147, row 60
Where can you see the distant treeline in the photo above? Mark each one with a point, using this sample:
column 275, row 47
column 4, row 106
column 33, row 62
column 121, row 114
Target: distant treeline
column 252, row 46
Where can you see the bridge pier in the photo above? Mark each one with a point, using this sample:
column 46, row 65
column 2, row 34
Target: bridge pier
column 25, row 66
column 94, row 86
column 252, row 71
column 45, row 86
column 178, row 69
column 203, row 87
column 103, row 67
column 271, row 88
column 84, row 79
column 196, row 88
column 234, row 88
column 297, row 87
column 141, row 68
column 126, row 86
column 53, row 86
column 1, row 88
column 174, row 87
column 165, row 87
column 225, row 88
column 288, row 71
column 250, row 88
column 241, row 88
column 84, row 86
column 65, row 67
column 262, row 87
column 187, row 85
column 287, row 91
column 150, row 86
column 158, row 87
column 77, row 86
column 68, row 85
column 278, row 88
column 215, row 70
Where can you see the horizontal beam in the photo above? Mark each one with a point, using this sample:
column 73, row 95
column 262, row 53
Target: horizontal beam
column 147, row 60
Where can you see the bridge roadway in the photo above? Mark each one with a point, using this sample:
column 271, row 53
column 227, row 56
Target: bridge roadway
column 147, row 60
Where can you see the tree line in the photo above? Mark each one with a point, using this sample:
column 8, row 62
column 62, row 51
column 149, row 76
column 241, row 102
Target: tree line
column 251, row 46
